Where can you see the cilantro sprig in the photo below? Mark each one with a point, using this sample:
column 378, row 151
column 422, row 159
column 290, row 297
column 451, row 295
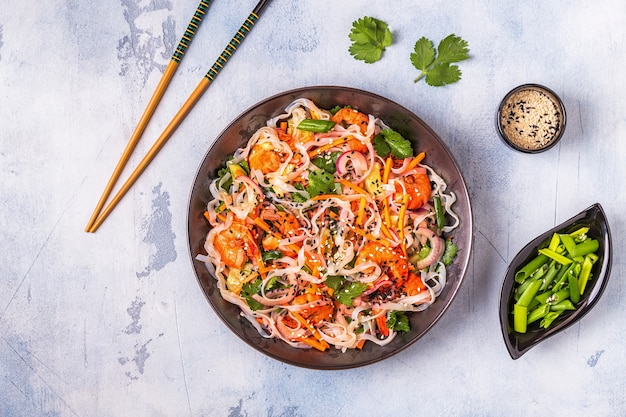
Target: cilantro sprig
column 370, row 37
column 435, row 66
column 389, row 141
column 345, row 291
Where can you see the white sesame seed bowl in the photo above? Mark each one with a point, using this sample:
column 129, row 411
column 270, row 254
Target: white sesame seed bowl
column 531, row 118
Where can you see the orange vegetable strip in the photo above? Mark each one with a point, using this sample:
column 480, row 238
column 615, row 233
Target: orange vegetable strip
column 361, row 212
column 360, row 343
column 328, row 197
column 353, row 186
column 418, row 158
column 403, row 207
column 387, row 169
column 328, row 146
column 313, row 343
column 381, row 322
column 206, row 216
column 312, row 329
column 370, row 236
column 386, row 214
column 386, row 231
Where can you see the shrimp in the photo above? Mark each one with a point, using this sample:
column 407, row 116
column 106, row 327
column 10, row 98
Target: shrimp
column 319, row 308
column 265, row 157
column 413, row 285
column 285, row 223
column 347, row 116
column 393, row 261
column 235, row 245
column 417, row 187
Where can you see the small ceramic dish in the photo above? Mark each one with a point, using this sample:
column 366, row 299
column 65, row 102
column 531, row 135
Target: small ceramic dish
column 531, row 118
column 594, row 218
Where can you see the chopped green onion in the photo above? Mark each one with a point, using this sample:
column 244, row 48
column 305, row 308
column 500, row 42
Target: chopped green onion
column 439, row 213
column 316, row 125
column 556, row 256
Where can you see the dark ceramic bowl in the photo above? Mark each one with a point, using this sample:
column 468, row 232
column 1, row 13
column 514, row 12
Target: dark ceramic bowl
column 594, row 218
column 531, row 118
column 398, row 118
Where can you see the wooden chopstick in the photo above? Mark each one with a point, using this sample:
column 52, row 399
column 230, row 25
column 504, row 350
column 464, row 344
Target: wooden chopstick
column 164, row 82
column 184, row 110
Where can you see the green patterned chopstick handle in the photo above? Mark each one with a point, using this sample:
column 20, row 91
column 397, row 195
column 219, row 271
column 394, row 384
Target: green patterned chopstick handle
column 185, row 41
column 235, row 41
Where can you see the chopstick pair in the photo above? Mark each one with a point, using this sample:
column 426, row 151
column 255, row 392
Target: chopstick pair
column 100, row 215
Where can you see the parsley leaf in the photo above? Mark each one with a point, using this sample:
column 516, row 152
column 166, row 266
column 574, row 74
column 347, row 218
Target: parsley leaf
column 389, row 141
column 349, row 292
column 398, row 321
column 370, row 37
column 320, row 182
column 435, row 66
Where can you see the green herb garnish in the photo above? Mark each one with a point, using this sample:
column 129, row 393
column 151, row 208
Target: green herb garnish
column 250, row 288
column 389, row 141
column 435, row 66
column 320, row 182
column 398, row 321
column 449, row 252
column 370, row 37
column 349, row 292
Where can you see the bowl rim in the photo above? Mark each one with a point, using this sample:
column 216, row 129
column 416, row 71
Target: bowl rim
column 462, row 190
column 531, row 86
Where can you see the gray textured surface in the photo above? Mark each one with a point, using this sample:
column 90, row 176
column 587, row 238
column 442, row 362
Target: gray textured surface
column 114, row 324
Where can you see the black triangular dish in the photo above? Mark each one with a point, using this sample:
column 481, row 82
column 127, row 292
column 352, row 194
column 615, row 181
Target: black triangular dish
column 594, row 218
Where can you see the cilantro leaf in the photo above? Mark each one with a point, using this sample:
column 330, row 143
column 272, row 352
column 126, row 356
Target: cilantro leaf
column 320, row 182
column 349, row 292
column 327, row 162
column 370, row 37
column 424, row 54
column 449, row 252
column 434, row 65
column 335, row 282
column 389, row 141
column 250, row 288
column 271, row 255
column 398, row 321
column 380, row 146
column 452, row 49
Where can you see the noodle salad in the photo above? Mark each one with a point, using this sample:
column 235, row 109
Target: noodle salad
column 326, row 229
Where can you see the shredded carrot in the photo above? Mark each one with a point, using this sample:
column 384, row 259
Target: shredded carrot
column 328, row 146
column 312, row 329
column 381, row 322
column 361, row 212
column 360, row 343
column 283, row 126
column 311, row 341
column 386, row 214
column 328, row 197
column 370, row 236
column 353, row 186
column 405, row 200
column 206, row 216
column 418, row 158
column 387, row 169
